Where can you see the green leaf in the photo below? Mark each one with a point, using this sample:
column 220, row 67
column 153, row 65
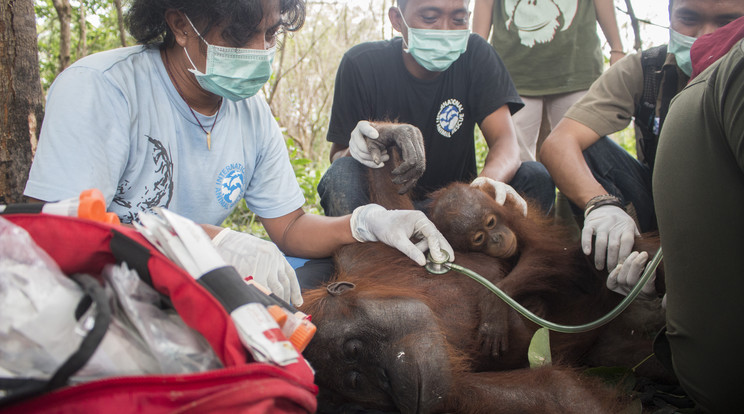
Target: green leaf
column 539, row 351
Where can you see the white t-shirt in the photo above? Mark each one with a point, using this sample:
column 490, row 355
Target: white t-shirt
column 114, row 121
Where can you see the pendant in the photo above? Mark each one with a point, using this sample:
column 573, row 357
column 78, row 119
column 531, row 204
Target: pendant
column 209, row 141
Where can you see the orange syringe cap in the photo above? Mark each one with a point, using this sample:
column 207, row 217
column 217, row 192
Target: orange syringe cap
column 92, row 205
column 302, row 335
column 277, row 314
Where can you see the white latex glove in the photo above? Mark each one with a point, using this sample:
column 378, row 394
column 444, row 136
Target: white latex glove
column 625, row 276
column 395, row 228
column 502, row 191
column 615, row 231
column 261, row 259
column 359, row 149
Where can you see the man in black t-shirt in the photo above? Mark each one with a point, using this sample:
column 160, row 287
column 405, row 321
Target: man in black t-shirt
column 443, row 80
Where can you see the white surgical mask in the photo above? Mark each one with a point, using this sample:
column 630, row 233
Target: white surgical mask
column 435, row 50
column 232, row 72
column 679, row 46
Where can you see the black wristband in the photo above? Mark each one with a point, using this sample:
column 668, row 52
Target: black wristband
column 602, row 200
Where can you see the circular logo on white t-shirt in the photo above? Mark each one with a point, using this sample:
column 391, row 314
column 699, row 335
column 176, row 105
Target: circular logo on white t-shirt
column 450, row 117
column 229, row 186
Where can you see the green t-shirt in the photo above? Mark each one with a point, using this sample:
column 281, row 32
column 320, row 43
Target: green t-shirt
column 548, row 47
column 698, row 186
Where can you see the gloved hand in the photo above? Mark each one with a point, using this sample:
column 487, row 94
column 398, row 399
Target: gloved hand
column 625, row 276
column 502, row 191
column 361, row 151
column 395, row 228
column 615, row 231
column 261, row 259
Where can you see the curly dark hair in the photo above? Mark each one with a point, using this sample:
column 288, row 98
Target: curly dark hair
column 146, row 18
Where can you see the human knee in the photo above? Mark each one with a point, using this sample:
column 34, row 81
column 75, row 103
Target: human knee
column 343, row 187
column 533, row 181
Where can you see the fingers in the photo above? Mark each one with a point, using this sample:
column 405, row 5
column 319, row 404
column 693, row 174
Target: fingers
column 586, row 238
column 295, row 293
column 627, row 240
column 366, row 129
column 410, row 250
column 613, row 248
column 284, row 275
column 268, row 267
column 435, row 241
column 600, row 250
column 625, row 276
column 359, row 145
column 502, row 192
column 600, row 244
column 517, row 199
column 612, row 282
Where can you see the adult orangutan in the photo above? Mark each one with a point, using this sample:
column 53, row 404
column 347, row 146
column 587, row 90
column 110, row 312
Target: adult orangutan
column 393, row 337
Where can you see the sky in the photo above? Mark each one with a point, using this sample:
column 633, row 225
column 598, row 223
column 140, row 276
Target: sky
column 655, row 11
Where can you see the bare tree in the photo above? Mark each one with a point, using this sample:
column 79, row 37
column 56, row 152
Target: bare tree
column 64, row 14
column 120, row 21
column 634, row 23
column 21, row 99
column 82, row 46
column 306, row 67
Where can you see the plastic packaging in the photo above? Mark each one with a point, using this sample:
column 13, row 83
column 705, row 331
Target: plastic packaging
column 39, row 329
column 176, row 347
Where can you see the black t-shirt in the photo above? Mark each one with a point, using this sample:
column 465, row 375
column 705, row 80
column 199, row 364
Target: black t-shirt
column 373, row 84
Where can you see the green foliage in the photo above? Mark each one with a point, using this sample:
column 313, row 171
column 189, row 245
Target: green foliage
column 101, row 33
column 481, row 149
column 626, row 139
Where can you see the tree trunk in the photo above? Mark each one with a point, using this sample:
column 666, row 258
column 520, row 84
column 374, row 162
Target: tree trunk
column 82, row 47
column 120, row 19
column 21, row 98
column 64, row 13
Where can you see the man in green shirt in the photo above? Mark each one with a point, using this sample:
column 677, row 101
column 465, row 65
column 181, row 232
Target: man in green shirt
column 597, row 175
column 698, row 185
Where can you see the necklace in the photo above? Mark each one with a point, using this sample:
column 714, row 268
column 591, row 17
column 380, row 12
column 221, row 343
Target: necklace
column 219, row 104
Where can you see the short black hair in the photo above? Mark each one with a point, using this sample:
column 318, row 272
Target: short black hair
column 146, row 18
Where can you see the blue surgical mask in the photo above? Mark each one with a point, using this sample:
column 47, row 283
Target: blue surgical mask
column 435, row 50
column 680, row 45
column 232, row 72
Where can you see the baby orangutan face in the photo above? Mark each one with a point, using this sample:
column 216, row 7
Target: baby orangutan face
column 471, row 220
column 491, row 237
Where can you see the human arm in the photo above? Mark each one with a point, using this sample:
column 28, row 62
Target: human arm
column 482, row 17
column 315, row 236
column 606, row 108
column 605, row 10
column 310, row 235
column 561, row 153
column 612, row 228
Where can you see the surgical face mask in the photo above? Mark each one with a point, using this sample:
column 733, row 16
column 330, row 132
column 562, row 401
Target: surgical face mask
column 232, row 72
column 435, row 50
column 680, row 45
